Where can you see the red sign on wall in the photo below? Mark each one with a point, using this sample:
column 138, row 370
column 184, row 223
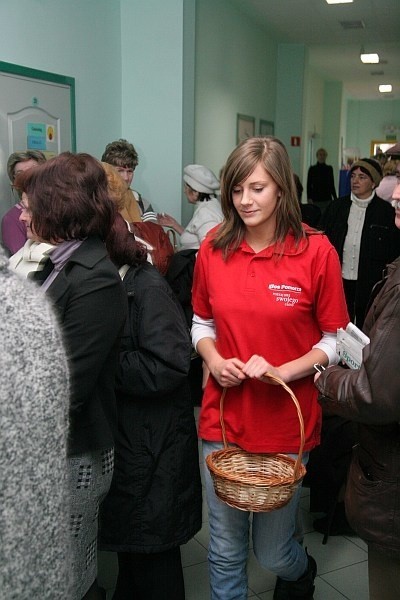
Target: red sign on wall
column 295, row 140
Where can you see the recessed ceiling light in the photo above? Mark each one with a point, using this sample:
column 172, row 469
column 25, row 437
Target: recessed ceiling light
column 369, row 58
column 385, row 88
column 338, row 1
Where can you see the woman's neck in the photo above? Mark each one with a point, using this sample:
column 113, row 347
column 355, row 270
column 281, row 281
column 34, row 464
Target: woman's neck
column 259, row 239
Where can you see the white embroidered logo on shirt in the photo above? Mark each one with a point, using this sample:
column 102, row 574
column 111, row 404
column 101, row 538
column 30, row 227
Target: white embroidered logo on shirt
column 285, row 294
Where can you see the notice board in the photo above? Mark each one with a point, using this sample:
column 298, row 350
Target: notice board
column 37, row 112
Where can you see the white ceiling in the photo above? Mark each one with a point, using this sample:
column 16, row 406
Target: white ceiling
column 334, row 51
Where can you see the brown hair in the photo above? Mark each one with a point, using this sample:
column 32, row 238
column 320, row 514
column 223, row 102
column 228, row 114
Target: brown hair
column 68, row 198
column 121, row 154
column 17, row 157
column 122, row 247
column 240, row 164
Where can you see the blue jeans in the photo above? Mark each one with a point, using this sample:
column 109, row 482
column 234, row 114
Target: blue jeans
column 274, row 544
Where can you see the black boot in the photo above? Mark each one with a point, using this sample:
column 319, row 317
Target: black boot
column 302, row 589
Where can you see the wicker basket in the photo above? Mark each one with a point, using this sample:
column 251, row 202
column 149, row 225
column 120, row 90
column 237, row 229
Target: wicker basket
column 256, row 482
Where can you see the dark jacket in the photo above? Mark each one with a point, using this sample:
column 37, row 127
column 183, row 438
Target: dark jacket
column 380, row 240
column 320, row 183
column 371, row 397
column 90, row 302
column 155, row 498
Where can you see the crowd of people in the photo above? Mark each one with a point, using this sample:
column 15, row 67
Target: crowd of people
column 99, row 440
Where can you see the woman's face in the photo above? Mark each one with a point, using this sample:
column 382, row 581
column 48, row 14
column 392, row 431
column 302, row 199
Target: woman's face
column 126, row 173
column 26, row 218
column 191, row 194
column 255, row 200
column 362, row 185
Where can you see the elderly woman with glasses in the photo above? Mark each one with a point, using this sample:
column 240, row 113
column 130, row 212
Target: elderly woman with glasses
column 361, row 228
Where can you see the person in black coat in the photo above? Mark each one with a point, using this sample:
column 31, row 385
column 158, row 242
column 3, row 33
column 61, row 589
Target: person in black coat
column 320, row 182
column 154, row 505
column 65, row 202
column 361, row 227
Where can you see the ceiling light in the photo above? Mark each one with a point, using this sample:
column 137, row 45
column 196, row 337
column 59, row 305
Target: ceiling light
column 338, row 1
column 369, row 58
column 385, row 88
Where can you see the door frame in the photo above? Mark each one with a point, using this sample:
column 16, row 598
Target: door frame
column 39, row 75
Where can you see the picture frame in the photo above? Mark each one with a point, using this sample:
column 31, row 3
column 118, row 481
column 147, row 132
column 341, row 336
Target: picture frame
column 245, row 127
column 266, row 127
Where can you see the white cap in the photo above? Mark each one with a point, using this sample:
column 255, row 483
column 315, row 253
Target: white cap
column 200, row 179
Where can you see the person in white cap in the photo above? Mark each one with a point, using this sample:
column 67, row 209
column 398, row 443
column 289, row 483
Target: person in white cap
column 200, row 189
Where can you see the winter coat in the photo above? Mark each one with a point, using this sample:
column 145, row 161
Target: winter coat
column 35, row 555
column 371, row 397
column 91, row 306
column 155, row 498
column 380, row 240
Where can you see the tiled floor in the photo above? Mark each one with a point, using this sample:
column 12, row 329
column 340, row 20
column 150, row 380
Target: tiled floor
column 342, row 565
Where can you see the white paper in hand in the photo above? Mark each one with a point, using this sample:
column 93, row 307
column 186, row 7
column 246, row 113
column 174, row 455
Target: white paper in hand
column 349, row 345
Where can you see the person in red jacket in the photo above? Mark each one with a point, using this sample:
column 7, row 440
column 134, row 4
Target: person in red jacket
column 267, row 296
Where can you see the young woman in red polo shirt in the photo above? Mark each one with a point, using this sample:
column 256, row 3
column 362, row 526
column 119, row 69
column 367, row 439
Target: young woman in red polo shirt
column 267, row 296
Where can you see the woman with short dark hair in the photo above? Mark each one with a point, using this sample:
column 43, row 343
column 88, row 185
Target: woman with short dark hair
column 66, row 203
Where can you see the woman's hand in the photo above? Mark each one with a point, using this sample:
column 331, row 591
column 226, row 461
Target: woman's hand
column 227, row 372
column 257, row 366
column 168, row 221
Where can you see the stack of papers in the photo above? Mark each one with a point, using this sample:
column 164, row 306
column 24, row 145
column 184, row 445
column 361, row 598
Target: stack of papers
column 349, row 345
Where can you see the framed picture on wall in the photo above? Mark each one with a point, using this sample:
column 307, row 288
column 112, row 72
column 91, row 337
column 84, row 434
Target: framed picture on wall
column 245, row 127
column 266, row 127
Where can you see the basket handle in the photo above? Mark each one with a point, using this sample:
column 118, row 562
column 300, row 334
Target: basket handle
column 300, row 416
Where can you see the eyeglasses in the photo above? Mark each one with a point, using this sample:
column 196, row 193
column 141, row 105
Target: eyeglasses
column 359, row 177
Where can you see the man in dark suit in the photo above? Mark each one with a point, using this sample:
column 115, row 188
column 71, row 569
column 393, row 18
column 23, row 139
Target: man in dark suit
column 320, row 183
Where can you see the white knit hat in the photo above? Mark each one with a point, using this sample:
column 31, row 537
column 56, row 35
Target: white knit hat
column 200, row 179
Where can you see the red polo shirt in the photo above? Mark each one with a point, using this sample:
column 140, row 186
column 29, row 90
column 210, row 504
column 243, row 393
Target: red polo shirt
column 276, row 307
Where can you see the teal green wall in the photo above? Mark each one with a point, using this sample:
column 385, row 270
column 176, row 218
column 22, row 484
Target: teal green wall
column 366, row 121
column 171, row 76
column 331, row 139
column 313, row 121
column 291, row 68
column 235, row 73
column 152, row 35
column 78, row 39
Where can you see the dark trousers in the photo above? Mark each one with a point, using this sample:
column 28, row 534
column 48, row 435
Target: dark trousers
column 155, row 576
column 356, row 306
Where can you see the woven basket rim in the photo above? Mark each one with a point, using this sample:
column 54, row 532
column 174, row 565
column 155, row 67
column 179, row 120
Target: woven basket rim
column 263, row 487
column 265, row 481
